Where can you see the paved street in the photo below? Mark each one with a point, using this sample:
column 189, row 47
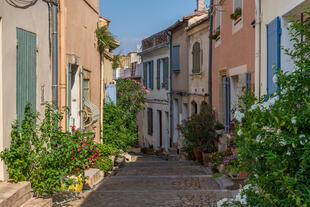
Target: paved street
column 151, row 181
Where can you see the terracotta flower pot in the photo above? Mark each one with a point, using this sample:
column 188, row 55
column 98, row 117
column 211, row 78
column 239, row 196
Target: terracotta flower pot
column 243, row 174
column 198, row 154
column 159, row 152
column 149, row 151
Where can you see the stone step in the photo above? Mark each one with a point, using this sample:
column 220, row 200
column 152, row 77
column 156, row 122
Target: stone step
column 163, row 171
column 161, row 163
column 154, row 199
column 93, row 176
column 38, row 202
column 14, row 194
column 158, row 183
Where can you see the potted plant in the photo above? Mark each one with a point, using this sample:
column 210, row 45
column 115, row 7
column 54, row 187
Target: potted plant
column 149, row 150
column 159, row 151
column 237, row 14
column 219, row 128
column 216, row 34
column 199, row 132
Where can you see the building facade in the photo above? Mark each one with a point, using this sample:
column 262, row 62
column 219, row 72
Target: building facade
column 155, row 77
column 272, row 37
column 79, row 64
column 25, row 64
column 233, row 56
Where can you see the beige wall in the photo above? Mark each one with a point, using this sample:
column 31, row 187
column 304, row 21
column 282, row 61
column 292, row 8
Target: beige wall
column 33, row 19
column 270, row 10
column 198, row 83
column 77, row 24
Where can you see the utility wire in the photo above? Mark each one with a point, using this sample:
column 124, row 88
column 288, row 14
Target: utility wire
column 21, row 4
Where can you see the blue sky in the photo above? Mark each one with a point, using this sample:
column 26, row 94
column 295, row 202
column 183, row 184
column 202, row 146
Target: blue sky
column 133, row 20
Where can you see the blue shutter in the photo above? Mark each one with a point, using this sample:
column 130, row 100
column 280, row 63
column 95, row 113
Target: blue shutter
column 176, row 58
column 227, row 103
column 25, row 71
column 273, row 52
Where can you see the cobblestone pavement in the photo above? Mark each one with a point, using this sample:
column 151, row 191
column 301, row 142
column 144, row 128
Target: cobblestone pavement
column 153, row 182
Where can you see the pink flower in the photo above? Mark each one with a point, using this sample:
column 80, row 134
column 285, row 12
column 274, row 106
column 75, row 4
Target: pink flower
column 147, row 91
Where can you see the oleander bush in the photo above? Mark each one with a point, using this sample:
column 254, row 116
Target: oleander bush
column 273, row 134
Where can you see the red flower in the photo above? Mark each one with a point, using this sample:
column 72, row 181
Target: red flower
column 72, row 156
column 78, row 169
column 79, row 149
column 73, row 128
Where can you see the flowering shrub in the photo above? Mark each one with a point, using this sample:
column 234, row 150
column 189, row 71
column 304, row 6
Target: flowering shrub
column 273, row 135
column 45, row 155
column 199, row 130
column 104, row 162
column 131, row 95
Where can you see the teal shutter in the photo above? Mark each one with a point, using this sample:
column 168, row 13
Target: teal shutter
column 166, row 73
column 273, row 52
column 196, row 58
column 152, row 75
column 158, row 74
column 26, row 56
column 176, row 58
column 145, row 74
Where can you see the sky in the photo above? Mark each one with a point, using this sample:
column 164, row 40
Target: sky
column 134, row 20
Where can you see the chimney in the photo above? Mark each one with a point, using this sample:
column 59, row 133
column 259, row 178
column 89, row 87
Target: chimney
column 201, row 5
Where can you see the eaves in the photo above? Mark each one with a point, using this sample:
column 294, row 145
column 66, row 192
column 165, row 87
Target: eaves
column 153, row 48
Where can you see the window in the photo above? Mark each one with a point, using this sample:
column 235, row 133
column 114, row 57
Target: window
column 218, row 15
column 196, row 57
column 237, row 4
column 194, row 108
column 148, row 74
column 133, row 68
column 176, row 58
column 158, row 73
column 86, row 89
column 165, row 73
column 150, row 121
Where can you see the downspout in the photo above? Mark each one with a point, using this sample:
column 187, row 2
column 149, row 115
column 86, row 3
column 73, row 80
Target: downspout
column 170, row 90
column 54, row 53
column 258, row 49
column 210, row 52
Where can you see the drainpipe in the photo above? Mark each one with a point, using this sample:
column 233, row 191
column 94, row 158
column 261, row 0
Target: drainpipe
column 258, row 49
column 169, row 33
column 210, row 52
column 55, row 53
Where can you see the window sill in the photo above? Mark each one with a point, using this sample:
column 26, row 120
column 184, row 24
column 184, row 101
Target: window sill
column 196, row 76
column 237, row 21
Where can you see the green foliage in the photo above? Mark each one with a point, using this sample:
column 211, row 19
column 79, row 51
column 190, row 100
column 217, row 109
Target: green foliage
column 273, row 135
column 116, row 61
column 199, row 130
column 107, row 150
column 130, row 95
column 104, row 163
column 219, row 126
column 236, row 14
column 119, row 127
column 44, row 155
column 105, row 39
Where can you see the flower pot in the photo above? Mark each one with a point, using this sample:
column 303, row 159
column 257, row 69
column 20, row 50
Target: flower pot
column 221, row 168
column 149, row 151
column 159, row 152
column 198, row 154
column 243, row 174
column 219, row 132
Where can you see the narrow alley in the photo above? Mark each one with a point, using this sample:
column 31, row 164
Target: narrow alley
column 152, row 181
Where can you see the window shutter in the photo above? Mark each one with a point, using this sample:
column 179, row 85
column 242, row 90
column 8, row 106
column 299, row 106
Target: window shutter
column 152, row 75
column 248, row 81
column 150, row 121
column 158, row 74
column 196, row 58
column 166, row 73
column 25, row 71
column 176, row 58
column 227, row 102
column 145, row 74
column 273, row 52
column 238, row 4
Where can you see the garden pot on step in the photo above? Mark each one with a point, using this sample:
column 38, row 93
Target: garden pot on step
column 198, row 154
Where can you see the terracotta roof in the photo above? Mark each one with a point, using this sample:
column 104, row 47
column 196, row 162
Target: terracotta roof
column 108, row 20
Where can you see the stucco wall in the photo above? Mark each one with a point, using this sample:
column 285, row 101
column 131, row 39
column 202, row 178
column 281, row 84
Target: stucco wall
column 33, row 19
column 77, row 25
column 158, row 101
column 270, row 10
column 234, row 50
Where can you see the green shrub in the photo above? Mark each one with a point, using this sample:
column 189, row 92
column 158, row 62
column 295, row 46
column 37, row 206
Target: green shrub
column 119, row 127
column 104, row 163
column 40, row 152
column 106, row 150
column 273, row 135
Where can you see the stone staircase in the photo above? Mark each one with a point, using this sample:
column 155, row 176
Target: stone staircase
column 19, row 195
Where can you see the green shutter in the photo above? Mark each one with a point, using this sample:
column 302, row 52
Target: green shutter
column 152, row 75
column 26, row 56
column 196, row 58
column 158, row 74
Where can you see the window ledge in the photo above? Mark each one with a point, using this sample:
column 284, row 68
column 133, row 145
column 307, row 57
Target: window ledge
column 196, row 75
column 237, row 21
